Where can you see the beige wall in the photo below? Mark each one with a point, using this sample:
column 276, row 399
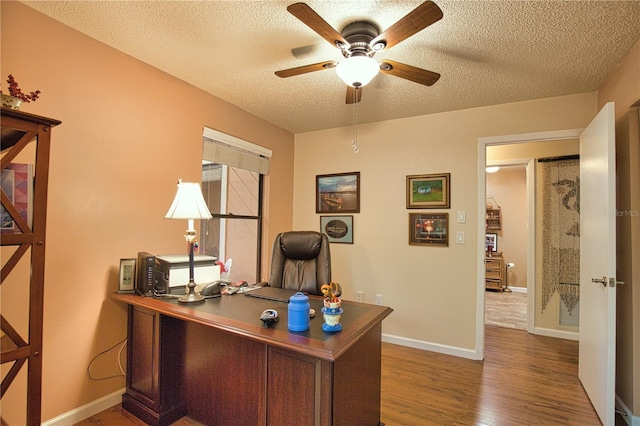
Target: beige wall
column 432, row 290
column 525, row 151
column 128, row 133
column 623, row 87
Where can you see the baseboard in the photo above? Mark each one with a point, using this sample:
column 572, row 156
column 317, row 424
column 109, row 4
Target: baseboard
column 560, row 334
column 629, row 417
column 467, row 353
column 79, row 414
column 419, row 344
column 518, row 289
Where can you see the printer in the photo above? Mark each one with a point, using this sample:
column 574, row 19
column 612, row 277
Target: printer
column 171, row 272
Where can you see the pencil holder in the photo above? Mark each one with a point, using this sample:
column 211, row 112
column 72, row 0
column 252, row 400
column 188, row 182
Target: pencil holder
column 332, row 303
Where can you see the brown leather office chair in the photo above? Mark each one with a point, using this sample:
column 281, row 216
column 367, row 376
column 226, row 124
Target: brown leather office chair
column 301, row 261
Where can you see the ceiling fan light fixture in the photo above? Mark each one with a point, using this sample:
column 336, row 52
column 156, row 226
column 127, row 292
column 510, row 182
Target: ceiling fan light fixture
column 379, row 46
column 357, row 71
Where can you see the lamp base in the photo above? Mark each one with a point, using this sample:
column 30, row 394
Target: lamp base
column 191, row 296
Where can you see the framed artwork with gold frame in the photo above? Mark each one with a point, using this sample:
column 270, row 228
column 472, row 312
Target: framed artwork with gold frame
column 429, row 191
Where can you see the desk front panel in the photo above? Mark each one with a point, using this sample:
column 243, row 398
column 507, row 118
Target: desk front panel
column 224, row 377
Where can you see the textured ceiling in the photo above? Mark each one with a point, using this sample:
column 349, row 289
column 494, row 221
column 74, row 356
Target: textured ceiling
column 488, row 52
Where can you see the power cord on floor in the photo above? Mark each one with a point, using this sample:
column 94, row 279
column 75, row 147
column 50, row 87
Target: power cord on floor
column 123, row 343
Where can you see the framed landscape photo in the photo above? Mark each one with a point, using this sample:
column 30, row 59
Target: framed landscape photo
column 429, row 229
column 429, row 191
column 338, row 193
column 339, row 229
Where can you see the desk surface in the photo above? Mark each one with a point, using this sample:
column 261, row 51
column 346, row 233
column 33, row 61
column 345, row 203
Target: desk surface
column 240, row 315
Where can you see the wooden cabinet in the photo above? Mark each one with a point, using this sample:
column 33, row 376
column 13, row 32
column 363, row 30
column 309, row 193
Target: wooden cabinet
column 153, row 387
column 493, row 219
column 19, row 131
column 494, row 272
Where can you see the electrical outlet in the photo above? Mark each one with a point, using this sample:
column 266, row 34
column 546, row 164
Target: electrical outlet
column 359, row 296
column 378, row 299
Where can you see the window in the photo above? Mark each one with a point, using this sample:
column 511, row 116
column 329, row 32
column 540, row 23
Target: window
column 232, row 185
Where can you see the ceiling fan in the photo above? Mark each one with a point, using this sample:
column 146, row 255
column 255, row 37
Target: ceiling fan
column 360, row 41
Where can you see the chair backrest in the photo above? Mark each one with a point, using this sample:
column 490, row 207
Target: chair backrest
column 301, row 261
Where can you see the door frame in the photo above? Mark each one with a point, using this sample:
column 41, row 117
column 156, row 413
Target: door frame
column 483, row 143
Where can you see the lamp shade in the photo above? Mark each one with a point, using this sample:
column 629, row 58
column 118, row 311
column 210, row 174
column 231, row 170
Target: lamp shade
column 357, row 71
column 188, row 203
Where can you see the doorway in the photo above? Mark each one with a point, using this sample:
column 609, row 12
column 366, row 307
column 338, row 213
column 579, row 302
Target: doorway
column 506, row 244
column 519, row 144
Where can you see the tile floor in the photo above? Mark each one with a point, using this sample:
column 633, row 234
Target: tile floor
column 505, row 309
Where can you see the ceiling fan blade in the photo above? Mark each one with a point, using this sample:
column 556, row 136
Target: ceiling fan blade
column 354, row 94
column 418, row 19
column 314, row 21
column 408, row 72
column 306, row 68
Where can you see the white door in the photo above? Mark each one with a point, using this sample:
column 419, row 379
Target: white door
column 598, row 263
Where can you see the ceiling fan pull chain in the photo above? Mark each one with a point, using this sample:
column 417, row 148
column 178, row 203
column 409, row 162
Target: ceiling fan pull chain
column 354, row 141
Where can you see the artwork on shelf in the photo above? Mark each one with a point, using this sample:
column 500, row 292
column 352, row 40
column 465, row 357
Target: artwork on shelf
column 428, row 191
column 429, row 229
column 339, row 229
column 338, row 193
column 127, row 276
column 17, row 183
column 491, row 243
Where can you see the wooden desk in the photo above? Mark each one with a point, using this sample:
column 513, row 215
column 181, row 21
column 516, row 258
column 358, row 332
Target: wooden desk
column 217, row 363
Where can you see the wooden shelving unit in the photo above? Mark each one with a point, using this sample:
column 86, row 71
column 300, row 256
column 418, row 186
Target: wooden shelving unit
column 494, row 219
column 20, row 130
column 494, row 272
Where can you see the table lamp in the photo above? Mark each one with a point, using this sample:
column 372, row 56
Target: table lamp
column 189, row 204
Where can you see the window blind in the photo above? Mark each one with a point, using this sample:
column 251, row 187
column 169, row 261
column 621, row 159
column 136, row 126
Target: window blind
column 225, row 149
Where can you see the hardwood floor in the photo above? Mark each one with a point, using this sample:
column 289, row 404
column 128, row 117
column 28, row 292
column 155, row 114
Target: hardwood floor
column 524, row 380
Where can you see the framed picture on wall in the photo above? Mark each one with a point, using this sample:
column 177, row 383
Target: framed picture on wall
column 428, row 191
column 338, row 193
column 429, row 229
column 339, row 229
column 491, row 243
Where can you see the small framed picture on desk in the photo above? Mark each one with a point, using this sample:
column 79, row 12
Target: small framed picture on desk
column 126, row 283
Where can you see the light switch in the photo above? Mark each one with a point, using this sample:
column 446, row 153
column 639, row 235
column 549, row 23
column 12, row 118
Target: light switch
column 462, row 216
column 460, row 237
